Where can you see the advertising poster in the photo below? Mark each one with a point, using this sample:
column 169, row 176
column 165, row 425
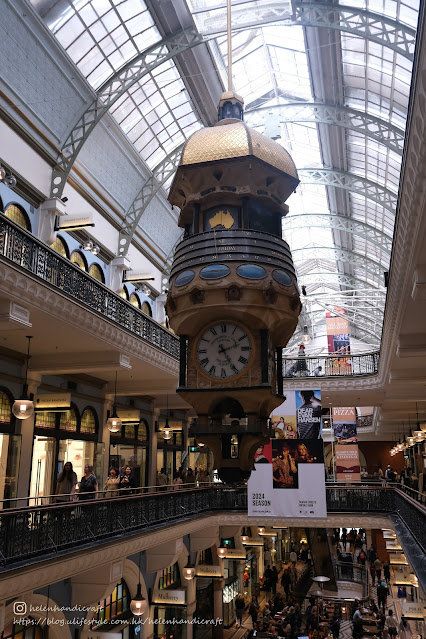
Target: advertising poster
column 344, row 425
column 338, row 340
column 289, row 479
column 347, row 463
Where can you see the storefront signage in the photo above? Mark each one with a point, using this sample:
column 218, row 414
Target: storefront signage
column 391, row 546
column 402, row 580
column 170, row 597
column 53, row 402
column 252, row 541
column 413, row 610
column 77, row 221
column 209, row 571
column 268, row 533
column 396, row 560
column 129, row 416
column 234, row 553
column 388, row 534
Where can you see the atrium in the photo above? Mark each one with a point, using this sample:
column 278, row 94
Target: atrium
column 133, row 149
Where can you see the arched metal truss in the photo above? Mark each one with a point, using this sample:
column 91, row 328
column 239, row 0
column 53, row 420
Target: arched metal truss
column 365, row 24
column 371, row 325
column 351, row 182
column 338, row 223
column 390, row 136
column 337, row 254
column 319, row 277
column 154, row 183
column 375, row 27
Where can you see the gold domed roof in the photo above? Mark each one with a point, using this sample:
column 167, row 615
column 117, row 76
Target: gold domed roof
column 234, row 139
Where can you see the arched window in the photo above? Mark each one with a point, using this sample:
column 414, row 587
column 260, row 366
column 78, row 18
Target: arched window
column 60, row 246
column 68, row 420
column 117, row 604
column 142, row 432
column 5, row 408
column 79, row 259
column 17, row 215
column 134, row 300
column 27, row 628
column 88, row 421
column 96, row 272
column 124, row 294
column 146, row 308
column 129, row 431
column 45, row 420
column 169, row 577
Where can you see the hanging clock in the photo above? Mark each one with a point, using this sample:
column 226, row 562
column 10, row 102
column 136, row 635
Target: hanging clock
column 224, row 350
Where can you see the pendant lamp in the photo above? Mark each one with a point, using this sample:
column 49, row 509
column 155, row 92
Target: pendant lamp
column 139, row 604
column 114, row 422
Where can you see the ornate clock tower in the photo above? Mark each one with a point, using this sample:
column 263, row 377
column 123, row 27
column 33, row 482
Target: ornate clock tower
column 233, row 296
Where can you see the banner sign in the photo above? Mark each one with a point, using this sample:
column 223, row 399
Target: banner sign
column 413, row 610
column 289, row 478
column 338, row 340
column 344, row 424
column 347, row 463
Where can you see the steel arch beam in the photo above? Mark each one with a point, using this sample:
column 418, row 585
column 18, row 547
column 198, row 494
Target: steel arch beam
column 154, row 183
column 344, row 279
column 366, row 24
column 338, row 254
column 339, row 223
column 374, row 128
column 368, row 327
column 351, row 182
column 372, row 26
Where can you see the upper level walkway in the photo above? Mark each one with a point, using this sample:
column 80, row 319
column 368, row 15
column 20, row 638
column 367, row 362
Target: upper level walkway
column 29, row 535
column 25, row 252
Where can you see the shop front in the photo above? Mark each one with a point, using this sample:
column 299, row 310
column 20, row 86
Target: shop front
column 169, row 601
column 114, row 617
column 129, row 447
column 60, row 438
column 169, row 451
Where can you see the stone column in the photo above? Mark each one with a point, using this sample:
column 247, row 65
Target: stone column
column 191, row 603
column 218, row 586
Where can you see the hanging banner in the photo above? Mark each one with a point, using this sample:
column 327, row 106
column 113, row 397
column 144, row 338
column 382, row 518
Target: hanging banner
column 338, row 340
column 347, row 463
column 289, row 477
column 344, row 425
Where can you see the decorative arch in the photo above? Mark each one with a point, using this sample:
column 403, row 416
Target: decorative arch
column 60, row 246
column 146, row 308
column 17, row 214
column 60, row 629
column 142, row 431
column 79, row 259
column 124, row 293
column 134, row 300
column 96, row 271
column 70, row 420
column 7, row 418
column 114, row 606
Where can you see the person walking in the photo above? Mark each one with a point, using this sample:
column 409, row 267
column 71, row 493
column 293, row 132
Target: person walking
column 286, row 582
column 382, row 595
column 391, row 624
column 112, row 484
column 254, row 610
column 404, row 629
column 88, row 487
column 386, row 572
column 378, row 566
column 239, row 609
column 274, row 580
column 373, row 574
column 67, row 481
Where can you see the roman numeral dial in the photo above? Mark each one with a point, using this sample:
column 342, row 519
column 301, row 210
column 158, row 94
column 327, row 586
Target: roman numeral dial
column 224, row 350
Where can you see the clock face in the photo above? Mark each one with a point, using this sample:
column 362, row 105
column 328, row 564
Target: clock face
column 224, row 350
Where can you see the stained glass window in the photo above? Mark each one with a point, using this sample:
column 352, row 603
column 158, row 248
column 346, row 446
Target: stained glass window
column 59, row 246
column 78, row 259
column 88, row 422
column 129, row 431
column 169, row 577
column 142, row 432
column 134, row 299
column 27, row 628
column 45, row 420
column 96, row 272
column 68, row 420
column 5, row 408
column 116, row 604
column 146, row 308
column 15, row 214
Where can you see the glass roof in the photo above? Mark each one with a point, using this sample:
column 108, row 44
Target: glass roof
column 274, row 63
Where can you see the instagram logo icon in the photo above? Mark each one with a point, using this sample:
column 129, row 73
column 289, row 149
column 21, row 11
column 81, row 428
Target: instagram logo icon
column 19, row 608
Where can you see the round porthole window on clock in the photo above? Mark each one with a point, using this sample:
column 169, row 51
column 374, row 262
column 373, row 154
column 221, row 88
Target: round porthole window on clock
column 282, row 277
column 184, row 278
column 214, row 271
column 251, row 271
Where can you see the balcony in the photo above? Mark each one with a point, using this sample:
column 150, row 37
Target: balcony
column 28, row 535
column 331, row 366
column 23, row 250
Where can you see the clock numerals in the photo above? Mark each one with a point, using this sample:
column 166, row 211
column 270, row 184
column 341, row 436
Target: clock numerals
column 223, row 328
column 201, row 351
column 212, row 371
column 223, row 374
column 245, row 348
column 243, row 360
column 204, row 362
column 213, row 330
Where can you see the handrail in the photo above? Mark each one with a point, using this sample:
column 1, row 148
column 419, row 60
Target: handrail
column 333, row 365
column 21, row 248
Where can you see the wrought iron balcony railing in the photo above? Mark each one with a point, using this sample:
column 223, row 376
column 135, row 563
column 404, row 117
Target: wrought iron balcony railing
column 32, row 534
column 331, row 366
column 25, row 251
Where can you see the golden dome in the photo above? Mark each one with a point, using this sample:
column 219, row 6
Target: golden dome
column 234, row 139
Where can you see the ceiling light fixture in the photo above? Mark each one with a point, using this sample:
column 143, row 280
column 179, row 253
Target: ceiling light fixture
column 138, row 604
column 24, row 407
column 114, row 422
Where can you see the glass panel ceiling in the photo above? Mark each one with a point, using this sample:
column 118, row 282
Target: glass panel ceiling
column 270, row 67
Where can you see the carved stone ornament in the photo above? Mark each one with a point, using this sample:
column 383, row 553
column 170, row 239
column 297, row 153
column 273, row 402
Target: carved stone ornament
column 197, row 296
column 270, row 294
column 233, row 293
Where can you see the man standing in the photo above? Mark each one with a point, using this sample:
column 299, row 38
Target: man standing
column 239, row 609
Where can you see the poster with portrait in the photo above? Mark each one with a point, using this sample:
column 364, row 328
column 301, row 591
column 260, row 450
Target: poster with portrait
column 338, row 339
column 289, row 477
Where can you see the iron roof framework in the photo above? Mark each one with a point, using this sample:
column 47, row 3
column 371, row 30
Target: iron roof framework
column 331, row 81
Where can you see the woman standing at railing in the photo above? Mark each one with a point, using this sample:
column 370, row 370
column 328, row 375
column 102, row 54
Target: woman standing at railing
column 88, row 484
column 112, row 484
column 67, row 482
column 301, row 361
column 128, row 481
